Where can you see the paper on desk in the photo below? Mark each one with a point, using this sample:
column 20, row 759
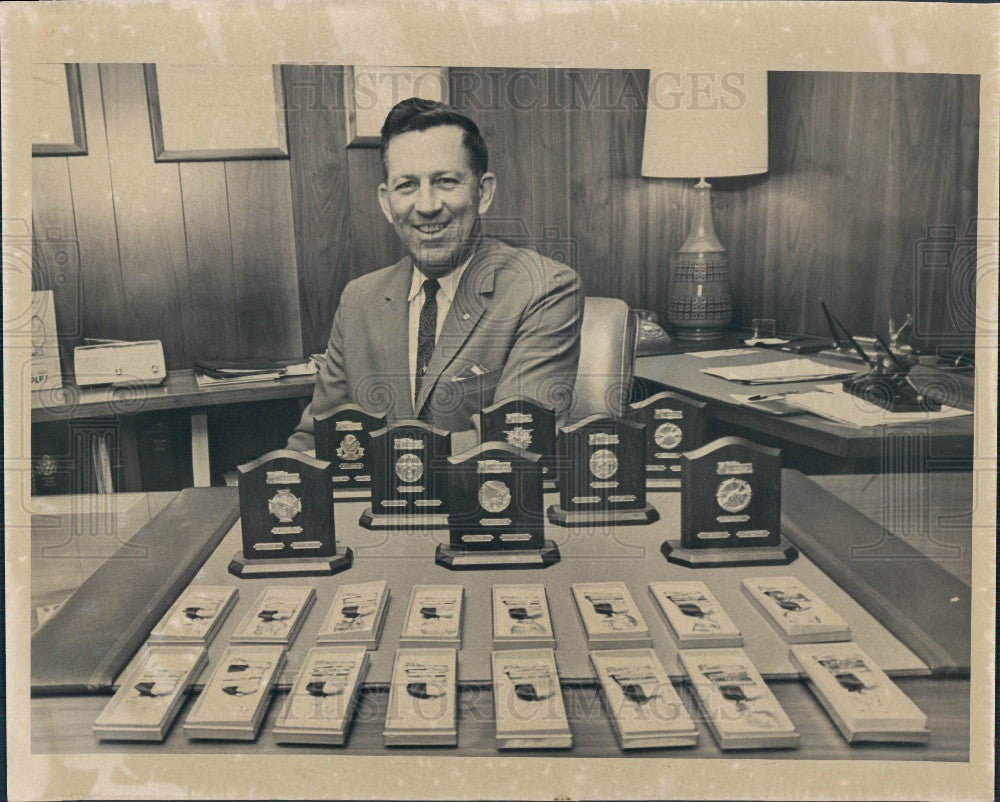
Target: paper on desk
column 784, row 370
column 724, row 352
column 766, row 341
column 834, row 403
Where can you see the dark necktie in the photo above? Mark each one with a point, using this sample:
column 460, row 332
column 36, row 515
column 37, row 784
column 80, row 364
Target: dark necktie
column 427, row 333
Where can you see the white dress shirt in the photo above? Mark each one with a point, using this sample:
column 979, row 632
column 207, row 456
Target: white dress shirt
column 445, row 297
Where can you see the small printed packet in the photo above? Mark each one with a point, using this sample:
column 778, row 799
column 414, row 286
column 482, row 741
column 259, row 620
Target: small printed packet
column 609, row 614
column 521, row 617
column 433, row 616
column 356, row 615
column 196, row 615
column 795, row 611
column 277, row 615
column 150, row 693
column 695, row 616
column 740, row 709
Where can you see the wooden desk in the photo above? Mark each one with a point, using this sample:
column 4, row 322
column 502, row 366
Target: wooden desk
column 62, row 723
column 178, row 391
column 823, row 446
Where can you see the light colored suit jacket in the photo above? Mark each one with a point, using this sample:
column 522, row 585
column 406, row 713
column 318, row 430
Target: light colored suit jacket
column 513, row 329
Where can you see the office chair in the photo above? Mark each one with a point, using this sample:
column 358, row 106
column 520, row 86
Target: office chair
column 607, row 353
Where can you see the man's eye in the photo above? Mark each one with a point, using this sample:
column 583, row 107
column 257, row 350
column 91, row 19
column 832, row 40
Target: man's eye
column 447, row 182
column 406, row 186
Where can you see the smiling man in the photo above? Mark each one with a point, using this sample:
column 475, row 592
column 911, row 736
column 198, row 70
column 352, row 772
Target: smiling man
column 463, row 320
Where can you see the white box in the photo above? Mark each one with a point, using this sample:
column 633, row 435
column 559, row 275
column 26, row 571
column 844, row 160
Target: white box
column 794, row 610
column 320, row 707
column 236, row 696
column 862, row 701
column 433, row 616
column 356, row 615
column 521, row 618
column 739, row 708
column 196, row 615
column 694, row 615
column 422, row 698
column 150, row 693
column 528, row 702
column 277, row 615
column 609, row 615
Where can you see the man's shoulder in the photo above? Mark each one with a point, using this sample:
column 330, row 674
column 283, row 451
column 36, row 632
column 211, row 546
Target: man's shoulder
column 375, row 282
column 514, row 265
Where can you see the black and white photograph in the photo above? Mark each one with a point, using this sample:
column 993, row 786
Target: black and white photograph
column 661, row 335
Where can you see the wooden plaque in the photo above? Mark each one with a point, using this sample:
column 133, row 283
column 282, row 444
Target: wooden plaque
column 409, row 490
column 731, row 506
column 602, row 475
column 521, row 422
column 674, row 423
column 496, row 510
column 286, row 513
column 344, row 439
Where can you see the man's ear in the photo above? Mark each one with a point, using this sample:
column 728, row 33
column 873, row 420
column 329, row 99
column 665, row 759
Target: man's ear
column 383, row 201
column 487, row 188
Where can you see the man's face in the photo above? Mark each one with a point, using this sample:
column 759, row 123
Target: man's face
column 432, row 196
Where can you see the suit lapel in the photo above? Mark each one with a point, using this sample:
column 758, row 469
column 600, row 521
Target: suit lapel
column 393, row 328
column 471, row 302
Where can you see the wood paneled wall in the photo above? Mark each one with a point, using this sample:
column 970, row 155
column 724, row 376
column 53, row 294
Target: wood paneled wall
column 198, row 255
column 863, row 167
column 249, row 258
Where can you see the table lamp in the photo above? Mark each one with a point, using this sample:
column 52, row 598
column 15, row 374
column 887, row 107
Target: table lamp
column 719, row 131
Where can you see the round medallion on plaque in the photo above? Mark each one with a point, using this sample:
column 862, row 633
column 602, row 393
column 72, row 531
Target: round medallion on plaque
column 668, row 436
column 603, row 463
column 350, row 448
column 409, row 468
column 734, row 495
column 494, row 496
column 284, row 505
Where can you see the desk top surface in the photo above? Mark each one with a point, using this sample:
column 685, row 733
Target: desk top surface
column 178, row 391
column 683, row 372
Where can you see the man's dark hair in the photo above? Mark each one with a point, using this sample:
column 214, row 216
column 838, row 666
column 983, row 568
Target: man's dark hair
column 417, row 114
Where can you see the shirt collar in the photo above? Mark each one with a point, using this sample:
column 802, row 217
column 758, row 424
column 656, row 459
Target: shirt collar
column 449, row 283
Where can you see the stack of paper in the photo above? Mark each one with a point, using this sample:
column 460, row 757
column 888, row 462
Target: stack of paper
column 609, row 615
column 778, row 371
column 644, row 708
column 521, row 617
column 433, row 616
column 276, row 616
column 527, row 700
column 321, row 705
column 422, row 699
column 836, row 404
column 695, row 616
column 740, row 709
column 196, row 615
column 356, row 615
column 149, row 693
column 235, row 698
column 862, row 701
column 794, row 610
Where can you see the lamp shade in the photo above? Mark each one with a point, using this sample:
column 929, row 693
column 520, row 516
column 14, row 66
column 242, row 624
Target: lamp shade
column 707, row 125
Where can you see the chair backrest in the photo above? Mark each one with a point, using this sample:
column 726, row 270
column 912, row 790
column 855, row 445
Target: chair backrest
column 607, row 352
